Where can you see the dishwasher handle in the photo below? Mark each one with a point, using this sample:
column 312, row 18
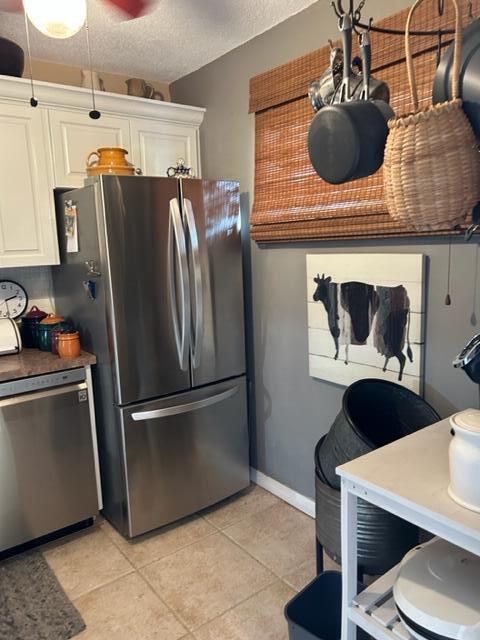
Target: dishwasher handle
column 184, row 408
column 47, row 393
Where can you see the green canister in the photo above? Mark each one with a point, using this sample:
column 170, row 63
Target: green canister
column 44, row 331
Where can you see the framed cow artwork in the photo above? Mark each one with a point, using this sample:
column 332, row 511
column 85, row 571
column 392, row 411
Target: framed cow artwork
column 366, row 317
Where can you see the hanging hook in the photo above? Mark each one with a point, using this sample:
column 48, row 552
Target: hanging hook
column 337, row 12
column 357, row 16
column 441, row 7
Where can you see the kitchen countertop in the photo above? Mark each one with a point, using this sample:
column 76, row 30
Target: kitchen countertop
column 33, row 362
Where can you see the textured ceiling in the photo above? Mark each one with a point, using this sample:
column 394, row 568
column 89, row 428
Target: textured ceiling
column 174, row 39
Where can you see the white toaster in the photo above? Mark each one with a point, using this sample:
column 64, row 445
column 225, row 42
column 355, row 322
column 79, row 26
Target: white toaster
column 10, row 340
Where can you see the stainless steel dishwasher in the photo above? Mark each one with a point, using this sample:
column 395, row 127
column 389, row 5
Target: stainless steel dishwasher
column 48, row 477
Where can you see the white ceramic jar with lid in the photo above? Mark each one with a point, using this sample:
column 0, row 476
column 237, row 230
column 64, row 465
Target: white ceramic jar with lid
column 464, row 457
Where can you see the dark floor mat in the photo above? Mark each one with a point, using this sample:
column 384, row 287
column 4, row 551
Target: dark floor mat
column 33, row 605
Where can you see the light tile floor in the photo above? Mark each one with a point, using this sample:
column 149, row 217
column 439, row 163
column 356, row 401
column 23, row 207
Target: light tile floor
column 225, row 574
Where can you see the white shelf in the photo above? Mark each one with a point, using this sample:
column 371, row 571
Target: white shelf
column 408, row 478
column 374, row 610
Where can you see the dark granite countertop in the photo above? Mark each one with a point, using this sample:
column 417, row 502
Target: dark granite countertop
column 33, row 362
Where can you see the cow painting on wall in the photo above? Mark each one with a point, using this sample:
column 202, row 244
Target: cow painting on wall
column 363, row 320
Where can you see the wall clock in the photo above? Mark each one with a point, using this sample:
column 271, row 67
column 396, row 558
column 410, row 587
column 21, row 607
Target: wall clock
column 13, row 299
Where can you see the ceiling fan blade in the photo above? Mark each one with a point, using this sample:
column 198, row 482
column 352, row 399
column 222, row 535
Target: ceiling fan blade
column 11, row 5
column 133, row 8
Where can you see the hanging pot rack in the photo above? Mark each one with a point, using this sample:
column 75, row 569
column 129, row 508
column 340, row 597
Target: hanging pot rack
column 358, row 25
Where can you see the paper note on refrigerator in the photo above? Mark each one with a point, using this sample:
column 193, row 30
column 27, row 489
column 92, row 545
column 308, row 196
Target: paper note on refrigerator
column 71, row 226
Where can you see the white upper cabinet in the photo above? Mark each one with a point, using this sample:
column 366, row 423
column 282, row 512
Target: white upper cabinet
column 158, row 145
column 75, row 135
column 47, row 147
column 28, row 234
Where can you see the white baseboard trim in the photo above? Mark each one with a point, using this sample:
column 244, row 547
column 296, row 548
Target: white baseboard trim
column 297, row 500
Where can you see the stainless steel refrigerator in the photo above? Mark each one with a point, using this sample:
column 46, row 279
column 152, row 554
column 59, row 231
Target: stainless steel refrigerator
column 152, row 276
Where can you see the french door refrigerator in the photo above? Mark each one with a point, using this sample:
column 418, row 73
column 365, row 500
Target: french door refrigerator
column 154, row 284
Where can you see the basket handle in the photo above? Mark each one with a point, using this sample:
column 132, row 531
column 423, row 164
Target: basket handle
column 457, row 56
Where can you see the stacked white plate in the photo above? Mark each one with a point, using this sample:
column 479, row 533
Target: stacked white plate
column 437, row 592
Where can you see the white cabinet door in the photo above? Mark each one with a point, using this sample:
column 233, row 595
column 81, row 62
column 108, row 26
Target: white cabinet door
column 157, row 145
column 28, row 232
column 74, row 135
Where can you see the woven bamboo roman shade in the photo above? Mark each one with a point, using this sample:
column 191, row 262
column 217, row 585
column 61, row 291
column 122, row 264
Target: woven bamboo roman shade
column 291, row 201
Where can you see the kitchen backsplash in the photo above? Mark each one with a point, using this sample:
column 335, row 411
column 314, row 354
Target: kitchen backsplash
column 37, row 282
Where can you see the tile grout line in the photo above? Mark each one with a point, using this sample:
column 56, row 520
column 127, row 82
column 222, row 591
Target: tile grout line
column 253, row 595
column 171, row 609
column 242, row 519
column 235, row 522
column 97, row 526
column 137, row 570
column 275, row 577
column 265, row 566
column 103, row 584
column 143, row 578
column 192, row 631
column 171, row 553
column 217, row 530
column 222, row 532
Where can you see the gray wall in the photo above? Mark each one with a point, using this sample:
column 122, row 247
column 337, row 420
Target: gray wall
column 291, row 409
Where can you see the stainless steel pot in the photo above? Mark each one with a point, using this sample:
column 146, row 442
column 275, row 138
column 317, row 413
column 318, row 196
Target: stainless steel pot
column 469, row 76
column 347, row 141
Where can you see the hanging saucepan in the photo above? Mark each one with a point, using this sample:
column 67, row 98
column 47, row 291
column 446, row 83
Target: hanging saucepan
column 469, row 76
column 326, row 91
column 347, row 141
column 321, row 92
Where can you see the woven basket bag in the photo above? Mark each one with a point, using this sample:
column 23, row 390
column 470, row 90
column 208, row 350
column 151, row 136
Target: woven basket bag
column 432, row 162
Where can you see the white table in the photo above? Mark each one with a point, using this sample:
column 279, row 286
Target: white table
column 408, row 478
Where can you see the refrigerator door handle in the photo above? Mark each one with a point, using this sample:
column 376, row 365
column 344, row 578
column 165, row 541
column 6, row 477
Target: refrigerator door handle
column 197, row 337
column 184, row 408
column 177, row 249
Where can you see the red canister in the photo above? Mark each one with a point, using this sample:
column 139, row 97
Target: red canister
column 30, row 322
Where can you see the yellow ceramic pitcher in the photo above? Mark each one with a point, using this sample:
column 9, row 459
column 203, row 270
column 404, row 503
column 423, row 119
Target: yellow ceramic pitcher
column 109, row 160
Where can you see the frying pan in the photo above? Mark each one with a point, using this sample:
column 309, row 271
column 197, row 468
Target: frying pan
column 347, row 141
column 469, row 76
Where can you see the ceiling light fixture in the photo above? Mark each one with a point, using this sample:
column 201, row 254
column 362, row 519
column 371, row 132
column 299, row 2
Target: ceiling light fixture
column 56, row 18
